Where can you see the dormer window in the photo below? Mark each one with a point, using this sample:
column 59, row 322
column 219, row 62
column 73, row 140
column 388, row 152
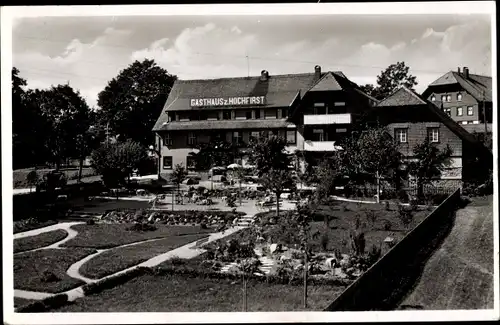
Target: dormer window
column 433, row 98
column 459, row 97
column 448, row 98
column 443, row 98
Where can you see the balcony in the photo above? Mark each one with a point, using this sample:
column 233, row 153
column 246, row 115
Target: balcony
column 326, row 119
column 321, row 146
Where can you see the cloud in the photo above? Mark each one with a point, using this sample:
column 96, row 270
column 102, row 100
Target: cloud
column 88, row 66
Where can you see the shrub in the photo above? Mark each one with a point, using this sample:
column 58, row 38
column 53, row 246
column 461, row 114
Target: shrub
column 48, row 276
column 405, row 215
column 387, row 205
column 371, row 216
column 403, row 196
column 374, row 254
column 203, row 225
column 176, row 260
column 324, row 241
column 141, row 227
column 90, row 222
column 387, row 225
column 414, row 205
column 231, row 201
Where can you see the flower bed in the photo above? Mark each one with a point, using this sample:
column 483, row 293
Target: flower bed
column 190, row 217
column 30, row 224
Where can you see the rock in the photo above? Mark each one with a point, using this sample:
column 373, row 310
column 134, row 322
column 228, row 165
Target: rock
column 389, row 240
column 157, row 220
column 344, row 262
column 338, row 273
column 330, row 262
column 357, row 273
column 274, row 247
column 235, row 221
column 150, row 219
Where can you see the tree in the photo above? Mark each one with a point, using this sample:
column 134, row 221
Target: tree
column 115, row 162
column 178, row 175
column 327, row 173
column 276, row 181
column 390, row 79
column 370, row 152
column 247, row 267
column 429, row 162
column 132, row 101
column 269, row 153
column 65, row 117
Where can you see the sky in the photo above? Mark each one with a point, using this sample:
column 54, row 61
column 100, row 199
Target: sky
column 88, row 52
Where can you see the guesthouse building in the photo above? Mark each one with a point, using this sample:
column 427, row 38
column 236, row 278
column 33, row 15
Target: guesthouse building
column 310, row 110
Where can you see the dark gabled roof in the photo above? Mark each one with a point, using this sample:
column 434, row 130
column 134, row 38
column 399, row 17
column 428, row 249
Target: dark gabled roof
column 402, row 97
column 479, row 128
column 226, row 125
column 475, row 85
column 406, row 97
column 327, row 83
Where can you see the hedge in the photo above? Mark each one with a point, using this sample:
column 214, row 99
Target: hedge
column 45, row 304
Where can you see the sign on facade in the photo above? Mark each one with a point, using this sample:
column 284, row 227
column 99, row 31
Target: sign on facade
column 230, row 101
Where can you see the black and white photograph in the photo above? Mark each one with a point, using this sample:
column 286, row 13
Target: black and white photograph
column 203, row 161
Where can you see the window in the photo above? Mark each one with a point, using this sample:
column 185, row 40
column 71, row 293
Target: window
column 460, row 111
column 318, row 135
column 167, row 139
column 191, row 138
column 401, row 135
column 254, row 135
column 433, row 134
column 278, row 113
column 291, row 136
column 470, row 110
column 459, row 97
column 342, row 130
column 190, row 162
column 443, row 98
column 257, row 114
column 226, row 115
column 249, row 115
column 237, row 137
column 433, row 98
column 240, row 115
column 270, row 114
column 447, row 110
column 319, row 108
column 339, row 104
column 284, row 113
column 167, row 162
column 463, row 122
column 448, row 98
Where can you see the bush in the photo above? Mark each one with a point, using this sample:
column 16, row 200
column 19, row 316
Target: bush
column 387, row 225
column 48, row 276
column 141, row 227
column 387, row 205
column 176, row 260
column 324, row 241
column 90, row 222
column 405, row 215
column 374, row 254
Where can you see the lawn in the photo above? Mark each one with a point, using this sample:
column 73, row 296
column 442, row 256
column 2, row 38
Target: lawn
column 178, row 293
column 19, row 175
column 38, row 241
column 32, row 269
column 100, row 206
column 121, row 258
column 102, row 236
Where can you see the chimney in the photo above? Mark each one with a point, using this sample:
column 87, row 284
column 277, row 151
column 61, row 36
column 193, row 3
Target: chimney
column 458, row 70
column 317, row 72
column 264, row 75
column 466, row 72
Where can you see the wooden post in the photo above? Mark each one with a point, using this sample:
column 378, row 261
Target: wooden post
column 378, row 187
column 305, row 278
column 244, row 292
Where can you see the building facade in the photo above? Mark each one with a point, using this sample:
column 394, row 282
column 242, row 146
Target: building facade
column 411, row 119
column 311, row 110
column 465, row 97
